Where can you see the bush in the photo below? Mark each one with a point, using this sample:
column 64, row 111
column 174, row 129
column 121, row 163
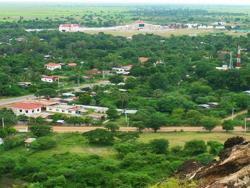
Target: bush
column 38, row 177
column 40, row 130
column 159, row 146
column 195, row 147
column 111, row 126
column 215, row 147
column 11, row 130
column 56, row 181
column 45, row 142
column 205, row 158
column 3, row 133
column 177, row 150
column 125, row 148
column 13, row 141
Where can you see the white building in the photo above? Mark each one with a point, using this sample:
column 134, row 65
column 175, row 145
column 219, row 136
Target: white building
column 68, row 27
column 49, row 79
column 52, row 66
column 25, row 108
column 67, row 109
column 138, row 25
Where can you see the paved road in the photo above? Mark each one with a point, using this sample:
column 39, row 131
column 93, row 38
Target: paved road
column 163, row 129
column 29, row 97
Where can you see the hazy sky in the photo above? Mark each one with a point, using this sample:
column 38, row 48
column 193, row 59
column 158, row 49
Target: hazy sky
column 228, row 2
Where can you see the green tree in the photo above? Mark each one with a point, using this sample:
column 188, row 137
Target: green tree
column 127, row 136
column 209, row 123
column 139, row 124
column 99, row 135
column 195, row 147
column 40, row 130
column 3, row 133
column 156, row 121
column 158, row 81
column 228, row 125
column 125, row 148
column 112, row 113
column 215, row 147
column 116, row 79
column 11, row 130
column 44, row 142
column 111, row 126
column 47, row 93
column 159, row 146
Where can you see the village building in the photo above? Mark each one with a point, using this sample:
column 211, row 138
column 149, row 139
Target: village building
column 24, row 83
column 49, row 79
column 97, row 117
column 68, row 27
column 20, row 39
column 138, row 25
column 25, row 108
column 52, row 66
column 93, row 71
column 72, row 64
column 48, row 57
column 67, row 109
column 143, row 59
column 28, row 141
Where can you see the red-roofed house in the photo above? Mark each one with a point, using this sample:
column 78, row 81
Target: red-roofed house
column 142, row 59
column 72, row 64
column 20, row 39
column 68, row 27
column 25, row 108
column 93, row 71
column 223, row 52
column 52, row 66
column 49, row 79
column 127, row 67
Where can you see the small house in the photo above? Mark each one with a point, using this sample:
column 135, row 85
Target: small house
column 25, row 108
column 203, row 106
column 97, row 117
column 72, row 64
column 67, row 109
column 52, row 66
column 20, row 39
column 24, row 83
column 143, row 59
column 28, row 141
column 48, row 57
column 213, row 104
column 49, row 79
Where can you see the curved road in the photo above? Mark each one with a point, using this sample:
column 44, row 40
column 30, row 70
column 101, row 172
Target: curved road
column 29, row 97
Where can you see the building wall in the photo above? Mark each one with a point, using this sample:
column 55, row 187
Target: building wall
column 53, row 67
column 60, row 110
column 47, row 79
column 73, row 28
column 19, row 111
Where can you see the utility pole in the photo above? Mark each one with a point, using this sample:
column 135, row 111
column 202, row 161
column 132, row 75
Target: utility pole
column 245, row 125
column 233, row 114
column 3, row 122
column 58, row 86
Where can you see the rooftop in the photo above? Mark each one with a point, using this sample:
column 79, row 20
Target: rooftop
column 143, row 58
column 24, row 106
column 52, row 64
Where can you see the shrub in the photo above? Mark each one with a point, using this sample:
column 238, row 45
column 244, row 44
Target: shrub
column 3, row 133
column 159, row 146
column 215, row 147
column 56, row 181
column 195, row 147
column 205, row 158
column 111, row 126
column 40, row 130
column 45, row 142
column 13, row 141
column 124, row 148
column 11, row 130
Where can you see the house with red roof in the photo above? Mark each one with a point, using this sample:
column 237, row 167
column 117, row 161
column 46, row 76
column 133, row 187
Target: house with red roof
column 25, row 108
column 20, row 39
column 52, row 66
column 127, row 67
column 68, row 27
column 142, row 59
column 49, row 79
column 72, row 64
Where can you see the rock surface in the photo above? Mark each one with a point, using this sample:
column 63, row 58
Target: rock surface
column 230, row 170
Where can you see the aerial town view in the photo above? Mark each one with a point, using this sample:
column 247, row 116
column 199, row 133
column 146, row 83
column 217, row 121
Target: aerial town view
column 124, row 94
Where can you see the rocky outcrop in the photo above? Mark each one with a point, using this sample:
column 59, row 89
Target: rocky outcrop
column 230, row 170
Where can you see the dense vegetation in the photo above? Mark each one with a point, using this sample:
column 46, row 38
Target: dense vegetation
column 127, row 163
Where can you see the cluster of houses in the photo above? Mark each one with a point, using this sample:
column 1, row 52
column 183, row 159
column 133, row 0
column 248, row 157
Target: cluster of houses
column 46, row 108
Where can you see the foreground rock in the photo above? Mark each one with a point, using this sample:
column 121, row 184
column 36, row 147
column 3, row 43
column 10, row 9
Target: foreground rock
column 230, row 170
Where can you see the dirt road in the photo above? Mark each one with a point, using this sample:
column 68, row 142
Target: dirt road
column 163, row 129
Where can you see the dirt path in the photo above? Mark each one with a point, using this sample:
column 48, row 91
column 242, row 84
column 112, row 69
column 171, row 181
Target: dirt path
column 163, row 129
column 230, row 117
